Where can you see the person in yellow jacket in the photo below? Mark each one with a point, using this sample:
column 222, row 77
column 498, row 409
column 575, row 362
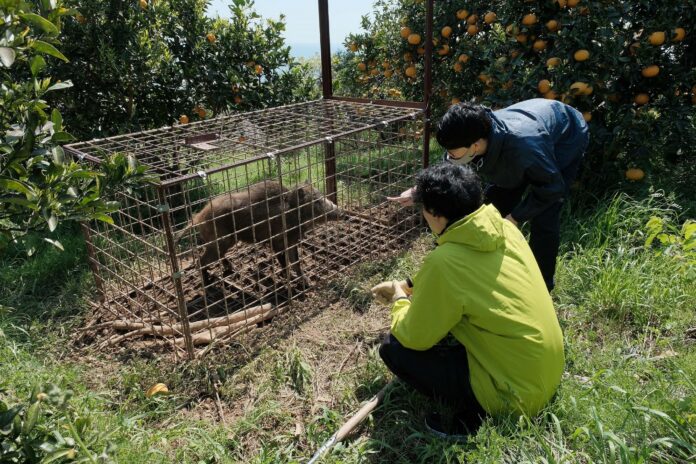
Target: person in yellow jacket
column 479, row 331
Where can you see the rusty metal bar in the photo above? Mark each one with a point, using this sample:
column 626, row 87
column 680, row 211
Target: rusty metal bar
column 176, row 274
column 93, row 261
column 395, row 103
column 428, row 80
column 325, row 44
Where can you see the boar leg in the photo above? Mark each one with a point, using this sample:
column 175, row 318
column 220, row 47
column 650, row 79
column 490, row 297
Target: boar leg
column 213, row 252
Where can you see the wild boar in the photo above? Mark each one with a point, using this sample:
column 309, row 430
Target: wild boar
column 258, row 214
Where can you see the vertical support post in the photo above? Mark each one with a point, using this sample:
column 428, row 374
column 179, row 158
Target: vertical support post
column 325, row 43
column 330, row 169
column 93, row 262
column 176, row 274
column 428, row 80
column 283, row 219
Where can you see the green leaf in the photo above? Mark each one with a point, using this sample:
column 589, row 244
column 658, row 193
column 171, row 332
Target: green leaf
column 60, row 137
column 60, row 85
column 37, row 65
column 40, row 22
column 15, row 185
column 48, row 49
column 55, row 243
column 103, row 217
column 58, row 155
column 57, row 120
column 7, row 56
column 52, row 222
column 31, row 418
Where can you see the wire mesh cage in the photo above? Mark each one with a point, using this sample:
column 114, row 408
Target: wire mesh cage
column 251, row 211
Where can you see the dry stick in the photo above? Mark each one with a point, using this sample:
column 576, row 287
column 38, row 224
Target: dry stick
column 219, row 403
column 207, row 336
column 353, row 422
column 234, row 320
column 194, row 326
column 343, row 364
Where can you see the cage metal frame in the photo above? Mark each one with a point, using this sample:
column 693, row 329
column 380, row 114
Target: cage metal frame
column 337, row 119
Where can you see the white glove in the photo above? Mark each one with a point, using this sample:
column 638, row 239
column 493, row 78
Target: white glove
column 389, row 291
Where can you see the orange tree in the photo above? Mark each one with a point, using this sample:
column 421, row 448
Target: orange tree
column 139, row 64
column 628, row 66
column 39, row 185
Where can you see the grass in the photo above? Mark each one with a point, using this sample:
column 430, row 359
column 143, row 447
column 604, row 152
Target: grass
column 628, row 394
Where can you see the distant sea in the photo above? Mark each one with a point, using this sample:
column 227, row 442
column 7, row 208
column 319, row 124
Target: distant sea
column 308, row 50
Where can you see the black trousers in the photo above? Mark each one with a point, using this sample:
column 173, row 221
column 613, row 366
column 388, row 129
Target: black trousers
column 440, row 373
column 545, row 233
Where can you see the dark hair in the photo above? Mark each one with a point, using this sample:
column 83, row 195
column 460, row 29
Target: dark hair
column 449, row 190
column 462, row 125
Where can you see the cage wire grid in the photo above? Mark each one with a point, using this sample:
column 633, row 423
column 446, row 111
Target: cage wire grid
column 266, row 181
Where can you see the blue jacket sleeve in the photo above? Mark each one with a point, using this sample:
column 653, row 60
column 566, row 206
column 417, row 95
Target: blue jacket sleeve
column 546, row 182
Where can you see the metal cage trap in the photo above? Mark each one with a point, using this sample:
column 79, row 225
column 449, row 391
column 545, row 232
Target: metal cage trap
column 251, row 211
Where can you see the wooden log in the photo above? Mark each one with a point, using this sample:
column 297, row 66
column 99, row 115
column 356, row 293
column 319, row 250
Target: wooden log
column 210, row 334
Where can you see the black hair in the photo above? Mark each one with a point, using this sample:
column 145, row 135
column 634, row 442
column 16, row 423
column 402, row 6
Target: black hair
column 462, row 125
column 449, row 190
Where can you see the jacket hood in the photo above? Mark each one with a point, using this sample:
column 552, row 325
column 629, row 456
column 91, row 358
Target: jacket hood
column 481, row 230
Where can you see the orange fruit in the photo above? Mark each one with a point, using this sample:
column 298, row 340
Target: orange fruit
column 550, row 95
column 211, row 37
column 634, row 174
column 514, row 54
column 374, row 72
column 544, row 86
column 405, row 32
column 411, row 71
column 472, row 29
column 155, row 389
column 572, row 3
column 650, row 71
column 237, row 99
column 641, row 99
column 444, row 50
column 678, row 34
column 183, row 119
column 656, row 38
column 362, row 66
column 408, row 56
column 143, row 4
column 581, row 55
column 580, row 88
column 529, row 19
column 421, row 50
column 539, row 45
column 473, row 19
column 587, row 116
column 446, row 32
column 80, row 19
column 490, row 17
column 553, row 62
column 353, row 47
column 485, row 78
column 562, row 3
column 388, row 73
column 200, row 112
column 553, row 25
column 456, row 101
column 463, row 58
column 457, row 67
column 414, row 39
column 521, row 38
column 462, row 14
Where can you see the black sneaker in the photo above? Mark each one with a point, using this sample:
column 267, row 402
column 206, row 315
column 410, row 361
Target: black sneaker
column 453, row 427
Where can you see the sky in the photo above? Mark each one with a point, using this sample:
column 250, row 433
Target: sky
column 302, row 17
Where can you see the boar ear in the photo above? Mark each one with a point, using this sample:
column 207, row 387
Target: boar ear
column 301, row 195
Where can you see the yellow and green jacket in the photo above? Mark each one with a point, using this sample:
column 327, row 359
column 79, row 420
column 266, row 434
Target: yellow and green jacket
column 483, row 285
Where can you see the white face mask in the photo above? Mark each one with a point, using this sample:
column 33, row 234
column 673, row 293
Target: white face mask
column 466, row 159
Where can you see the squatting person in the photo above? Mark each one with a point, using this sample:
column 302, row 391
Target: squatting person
column 530, row 154
column 479, row 332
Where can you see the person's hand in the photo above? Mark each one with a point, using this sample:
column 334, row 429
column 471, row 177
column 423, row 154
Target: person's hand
column 405, row 199
column 389, row 291
column 511, row 219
